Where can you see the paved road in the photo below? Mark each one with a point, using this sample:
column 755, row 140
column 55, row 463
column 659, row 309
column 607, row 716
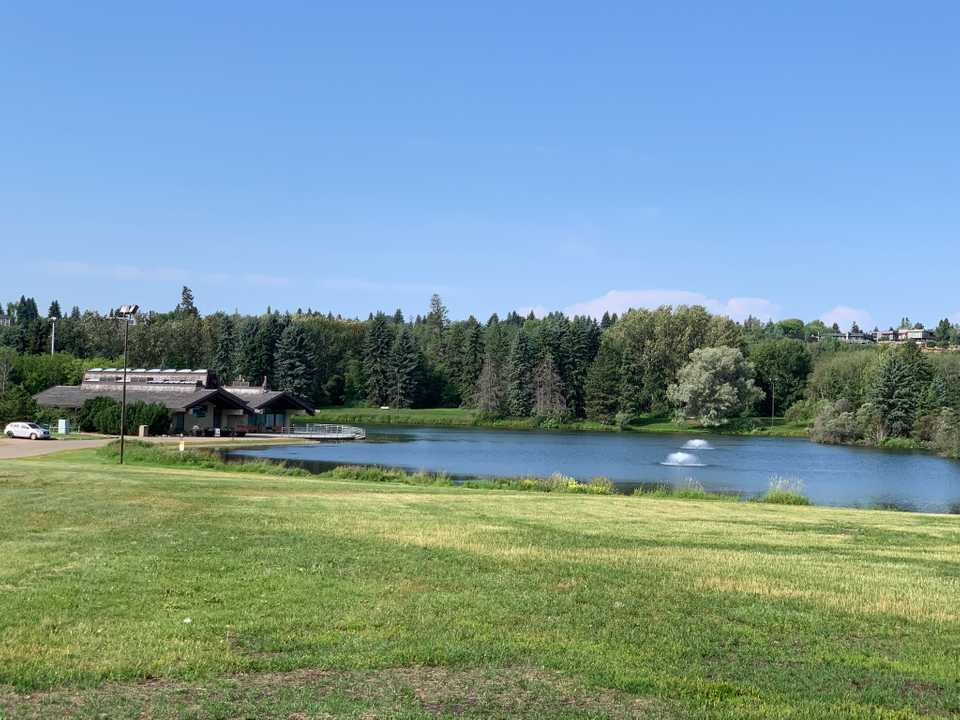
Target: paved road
column 26, row 448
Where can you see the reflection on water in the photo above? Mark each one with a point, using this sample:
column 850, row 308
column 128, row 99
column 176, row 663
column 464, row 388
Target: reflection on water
column 843, row 476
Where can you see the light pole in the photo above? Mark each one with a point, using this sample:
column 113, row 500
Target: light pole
column 127, row 312
column 773, row 400
column 53, row 335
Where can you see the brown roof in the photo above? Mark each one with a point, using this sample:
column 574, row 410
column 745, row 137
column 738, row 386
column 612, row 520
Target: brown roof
column 178, row 400
column 260, row 399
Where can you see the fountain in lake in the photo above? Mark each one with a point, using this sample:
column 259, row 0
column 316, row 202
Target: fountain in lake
column 683, row 459
column 697, row 444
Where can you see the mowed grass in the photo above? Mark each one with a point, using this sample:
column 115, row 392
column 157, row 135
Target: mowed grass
column 319, row 597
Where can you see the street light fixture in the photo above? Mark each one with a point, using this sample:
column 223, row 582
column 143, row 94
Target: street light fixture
column 126, row 312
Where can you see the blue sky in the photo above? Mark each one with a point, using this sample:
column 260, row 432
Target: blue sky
column 785, row 159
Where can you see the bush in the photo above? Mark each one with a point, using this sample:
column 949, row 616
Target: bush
column 17, row 404
column 102, row 415
column 802, row 412
column 835, row 424
column 98, row 412
column 946, row 438
column 154, row 415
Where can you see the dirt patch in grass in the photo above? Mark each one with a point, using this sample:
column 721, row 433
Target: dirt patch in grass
column 417, row 692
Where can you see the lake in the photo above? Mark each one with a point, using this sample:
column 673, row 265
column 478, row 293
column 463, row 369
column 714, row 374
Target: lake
column 831, row 475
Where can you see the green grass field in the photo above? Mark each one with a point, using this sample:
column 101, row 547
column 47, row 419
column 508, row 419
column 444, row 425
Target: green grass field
column 160, row 592
column 465, row 417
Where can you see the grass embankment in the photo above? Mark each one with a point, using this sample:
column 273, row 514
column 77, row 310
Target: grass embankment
column 169, row 592
column 781, row 491
column 464, row 417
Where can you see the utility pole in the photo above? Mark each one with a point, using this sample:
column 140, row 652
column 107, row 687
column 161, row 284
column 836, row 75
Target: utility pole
column 773, row 399
column 127, row 312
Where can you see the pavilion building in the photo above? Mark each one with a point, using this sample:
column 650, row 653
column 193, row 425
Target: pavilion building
column 196, row 401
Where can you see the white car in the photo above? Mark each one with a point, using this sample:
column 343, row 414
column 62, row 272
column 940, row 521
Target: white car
column 26, row 430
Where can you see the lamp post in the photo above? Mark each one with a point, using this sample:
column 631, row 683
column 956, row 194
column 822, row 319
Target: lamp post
column 53, row 335
column 773, row 400
column 127, row 312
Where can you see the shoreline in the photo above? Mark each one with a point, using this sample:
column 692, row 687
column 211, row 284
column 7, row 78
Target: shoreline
column 464, row 418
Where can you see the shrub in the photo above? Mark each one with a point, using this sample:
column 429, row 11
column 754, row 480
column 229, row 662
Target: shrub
column 17, row 404
column 802, row 411
column 946, row 437
column 97, row 413
column 154, row 415
column 835, row 424
column 102, row 415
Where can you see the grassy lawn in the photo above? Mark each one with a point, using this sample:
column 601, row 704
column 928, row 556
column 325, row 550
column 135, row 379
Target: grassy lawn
column 464, row 417
column 189, row 593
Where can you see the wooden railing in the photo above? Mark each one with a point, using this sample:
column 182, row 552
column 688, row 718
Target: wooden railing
column 345, row 431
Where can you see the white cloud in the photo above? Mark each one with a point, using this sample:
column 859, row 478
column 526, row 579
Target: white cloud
column 619, row 301
column 844, row 316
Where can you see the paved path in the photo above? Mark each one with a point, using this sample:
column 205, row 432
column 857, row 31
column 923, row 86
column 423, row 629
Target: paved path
column 27, row 448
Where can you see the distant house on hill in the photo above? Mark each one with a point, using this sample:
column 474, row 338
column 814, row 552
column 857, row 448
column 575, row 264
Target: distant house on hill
column 193, row 397
column 5, row 320
column 855, row 338
column 918, row 335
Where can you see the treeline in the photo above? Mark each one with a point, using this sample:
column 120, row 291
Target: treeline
column 555, row 368
column 890, row 397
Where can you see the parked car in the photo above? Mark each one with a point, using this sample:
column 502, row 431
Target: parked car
column 26, row 430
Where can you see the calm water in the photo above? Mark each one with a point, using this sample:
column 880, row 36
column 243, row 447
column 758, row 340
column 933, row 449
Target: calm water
column 851, row 477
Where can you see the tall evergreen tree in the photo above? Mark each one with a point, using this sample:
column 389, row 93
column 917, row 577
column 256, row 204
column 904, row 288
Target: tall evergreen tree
column 520, row 389
column 548, row 393
column 582, row 343
column 26, row 311
column 294, row 362
column 264, row 351
column 491, row 391
column 226, row 351
column 935, row 397
column 377, row 351
column 602, row 388
column 187, row 306
column 471, row 357
column 248, row 362
column 405, row 364
column 437, row 322
column 897, row 391
column 54, row 311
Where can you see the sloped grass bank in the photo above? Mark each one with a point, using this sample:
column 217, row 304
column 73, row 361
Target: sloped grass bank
column 120, row 579
column 139, row 453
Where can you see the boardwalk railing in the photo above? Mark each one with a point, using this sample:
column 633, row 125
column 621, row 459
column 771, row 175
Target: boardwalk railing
column 327, row 431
